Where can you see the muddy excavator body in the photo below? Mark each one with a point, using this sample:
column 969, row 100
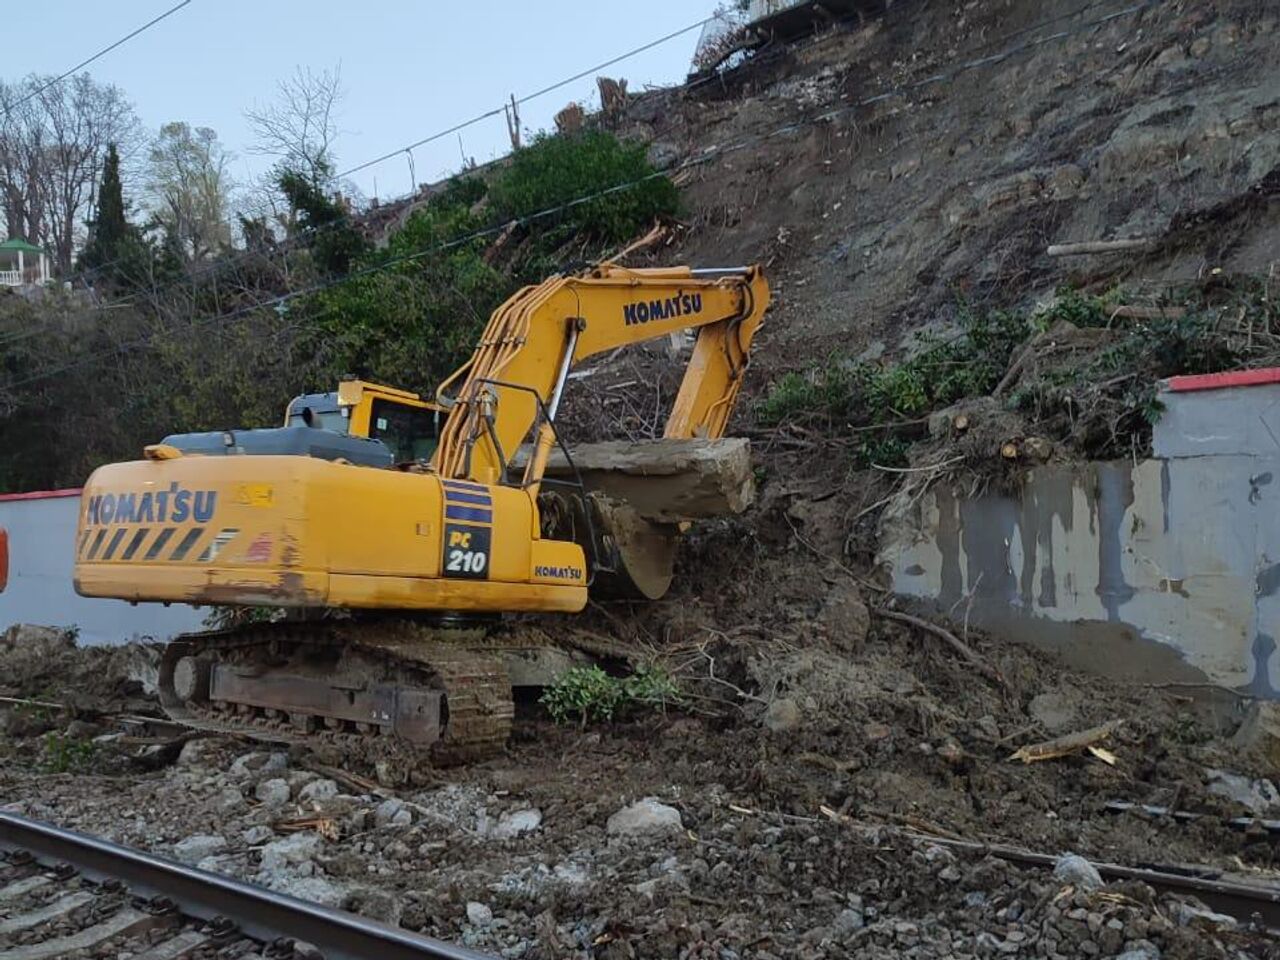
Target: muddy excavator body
column 372, row 514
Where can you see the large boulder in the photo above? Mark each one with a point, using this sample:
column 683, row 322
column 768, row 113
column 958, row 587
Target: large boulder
column 647, row 816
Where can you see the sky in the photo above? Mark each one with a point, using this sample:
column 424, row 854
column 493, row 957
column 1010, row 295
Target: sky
column 410, row 69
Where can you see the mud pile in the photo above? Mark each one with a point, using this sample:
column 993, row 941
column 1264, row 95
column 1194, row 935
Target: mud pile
column 749, row 829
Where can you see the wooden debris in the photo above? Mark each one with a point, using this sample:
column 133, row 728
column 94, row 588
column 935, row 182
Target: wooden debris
column 962, row 648
column 1106, row 756
column 1135, row 312
column 830, row 763
column 327, row 827
column 1062, row 746
column 1098, row 246
column 359, row 784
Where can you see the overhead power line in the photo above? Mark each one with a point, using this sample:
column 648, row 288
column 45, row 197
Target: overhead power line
column 704, row 157
column 292, row 242
column 525, row 99
column 101, row 53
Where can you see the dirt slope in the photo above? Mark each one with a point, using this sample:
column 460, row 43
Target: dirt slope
column 1009, row 126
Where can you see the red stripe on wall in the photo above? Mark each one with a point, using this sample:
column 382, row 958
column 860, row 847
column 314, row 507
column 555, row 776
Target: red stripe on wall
column 41, row 495
column 1220, row 381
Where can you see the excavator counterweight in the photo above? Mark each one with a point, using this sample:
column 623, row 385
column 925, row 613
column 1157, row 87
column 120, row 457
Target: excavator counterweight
column 375, row 506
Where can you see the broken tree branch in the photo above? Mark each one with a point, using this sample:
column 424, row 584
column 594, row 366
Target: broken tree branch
column 1061, row 746
column 962, row 648
column 1098, row 246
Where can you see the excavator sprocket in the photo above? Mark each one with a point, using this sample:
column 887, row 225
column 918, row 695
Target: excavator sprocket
column 378, row 687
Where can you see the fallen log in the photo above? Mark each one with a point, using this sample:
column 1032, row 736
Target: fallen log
column 1098, row 246
column 663, row 481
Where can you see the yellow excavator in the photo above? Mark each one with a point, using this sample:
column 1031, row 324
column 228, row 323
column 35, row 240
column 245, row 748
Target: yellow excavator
column 374, row 515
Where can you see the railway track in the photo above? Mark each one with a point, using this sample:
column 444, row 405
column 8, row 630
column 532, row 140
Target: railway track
column 64, row 893
column 1247, row 902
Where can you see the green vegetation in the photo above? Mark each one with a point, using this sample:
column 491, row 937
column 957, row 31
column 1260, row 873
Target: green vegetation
column 66, row 754
column 81, row 385
column 588, row 694
column 1099, row 394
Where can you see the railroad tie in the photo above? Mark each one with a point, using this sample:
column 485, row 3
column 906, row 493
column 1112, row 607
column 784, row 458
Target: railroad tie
column 50, row 911
column 183, row 945
column 20, row 888
column 128, row 922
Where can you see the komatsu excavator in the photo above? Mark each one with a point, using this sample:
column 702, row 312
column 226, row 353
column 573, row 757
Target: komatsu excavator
column 374, row 514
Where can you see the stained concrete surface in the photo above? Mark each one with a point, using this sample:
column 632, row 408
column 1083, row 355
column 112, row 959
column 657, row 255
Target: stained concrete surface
column 1168, row 568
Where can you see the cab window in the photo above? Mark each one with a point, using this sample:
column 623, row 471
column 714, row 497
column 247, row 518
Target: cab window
column 411, row 433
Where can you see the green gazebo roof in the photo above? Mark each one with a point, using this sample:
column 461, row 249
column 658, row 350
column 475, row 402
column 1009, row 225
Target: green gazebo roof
column 17, row 243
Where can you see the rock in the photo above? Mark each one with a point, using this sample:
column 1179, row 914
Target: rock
column 647, row 816
column 874, row 731
column 783, row 715
column 1197, row 914
column 951, row 752
column 318, row 790
column 1144, row 951
column 987, row 724
column 257, row 764
column 846, row 617
column 196, row 848
column 81, row 730
column 1055, row 711
column 479, row 915
column 1078, row 872
column 230, row 800
column 515, row 823
column 847, row 922
column 1258, row 795
column 647, row 888
column 663, row 155
column 374, row 903
column 193, row 753
column 256, row 835
column 292, row 851
column 392, row 813
column 273, row 793
column 33, row 638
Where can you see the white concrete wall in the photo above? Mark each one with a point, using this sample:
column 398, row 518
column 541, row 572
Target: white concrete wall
column 1167, row 568
column 41, row 556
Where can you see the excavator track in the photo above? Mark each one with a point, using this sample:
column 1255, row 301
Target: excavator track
column 380, row 688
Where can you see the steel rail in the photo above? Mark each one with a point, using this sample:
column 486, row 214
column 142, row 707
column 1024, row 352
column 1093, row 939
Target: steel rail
column 259, row 913
column 1244, row 901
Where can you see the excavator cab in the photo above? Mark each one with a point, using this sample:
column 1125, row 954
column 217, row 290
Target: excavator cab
column 408, row 425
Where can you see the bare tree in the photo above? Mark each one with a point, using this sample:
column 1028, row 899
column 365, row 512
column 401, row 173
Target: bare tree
column 52, row 148
column 190, row 185
column 299, row 128
column 21, row 157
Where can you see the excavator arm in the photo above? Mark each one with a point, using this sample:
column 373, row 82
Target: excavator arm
column 513, row 383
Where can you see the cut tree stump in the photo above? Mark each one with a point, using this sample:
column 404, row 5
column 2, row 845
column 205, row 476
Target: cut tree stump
column 664, row 481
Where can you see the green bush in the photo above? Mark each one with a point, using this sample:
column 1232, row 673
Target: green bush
column 67, row 754
column 588, row 694
column 554, row 170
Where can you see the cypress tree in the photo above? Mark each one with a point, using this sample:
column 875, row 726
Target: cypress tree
column 107, row 234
